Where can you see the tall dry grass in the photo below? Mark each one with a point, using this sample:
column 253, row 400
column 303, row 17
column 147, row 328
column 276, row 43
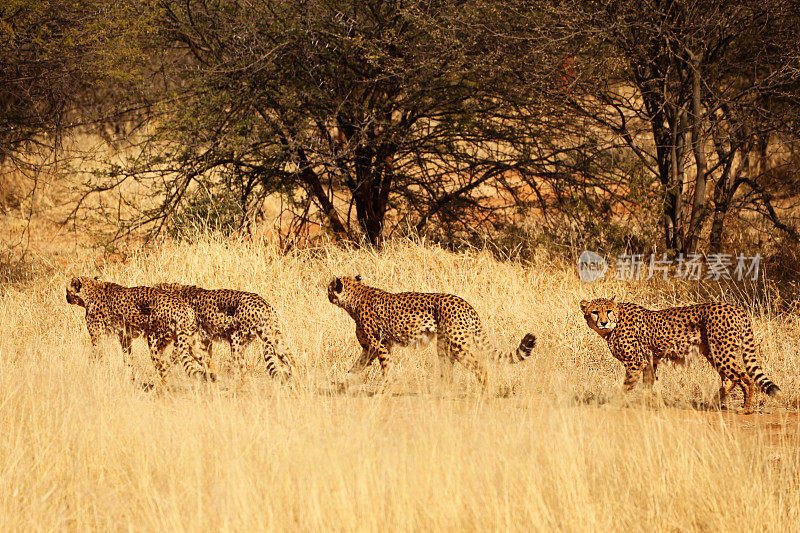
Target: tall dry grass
column 554, row 445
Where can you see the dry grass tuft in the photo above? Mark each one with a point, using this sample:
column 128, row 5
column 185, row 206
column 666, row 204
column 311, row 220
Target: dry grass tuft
column 553, row 446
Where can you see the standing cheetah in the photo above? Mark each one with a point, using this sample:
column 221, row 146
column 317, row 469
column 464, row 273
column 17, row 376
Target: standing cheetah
column 131, row 311
column 384, row 319
column 237, row 317
column 640, row 338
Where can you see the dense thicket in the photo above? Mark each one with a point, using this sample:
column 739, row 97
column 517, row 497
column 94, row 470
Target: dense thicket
column 60, row 69
column 449, row 118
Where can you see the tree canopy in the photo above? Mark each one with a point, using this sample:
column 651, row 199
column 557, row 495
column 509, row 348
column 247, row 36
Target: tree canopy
column 451, row 117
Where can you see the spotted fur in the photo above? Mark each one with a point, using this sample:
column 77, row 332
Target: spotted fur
column 129, row 312
column 238, row 318
column 384, row 319
column 641, row 338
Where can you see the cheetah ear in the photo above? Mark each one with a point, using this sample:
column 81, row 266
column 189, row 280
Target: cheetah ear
column 584, row 304
column 97, row 278
column 358, row 277
column 337, row 285
column 75, row 284
column 613, row 298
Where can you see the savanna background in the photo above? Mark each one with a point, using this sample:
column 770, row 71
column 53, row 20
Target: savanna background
column 469, row 147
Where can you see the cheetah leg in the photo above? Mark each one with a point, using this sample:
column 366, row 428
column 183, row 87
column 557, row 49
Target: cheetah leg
column 748, row 388
column 649, row 376
column 288, row 362
column 631, row 378
column 446, row 361
column 126, row 340
column 157, row 346
column 204, row 347
column 366, row 357
column 287, row 359
column 194, row 367
column 239, row 343
column 744, row 381
column 369, row 352
column 468, row 360
column 95, row 333
column 382, row 353
column 724, row 359
column 212, row 367
column 723, row 391
column 648, row 360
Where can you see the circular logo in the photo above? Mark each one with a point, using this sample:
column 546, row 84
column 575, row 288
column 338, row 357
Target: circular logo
column 591, row 266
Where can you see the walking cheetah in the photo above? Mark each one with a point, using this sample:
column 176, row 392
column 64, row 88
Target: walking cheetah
column 640, row 338
column 237, row 317
column 131, row 311
column 384, row 319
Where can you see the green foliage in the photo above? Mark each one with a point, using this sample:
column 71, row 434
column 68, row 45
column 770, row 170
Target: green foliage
column 205, row 211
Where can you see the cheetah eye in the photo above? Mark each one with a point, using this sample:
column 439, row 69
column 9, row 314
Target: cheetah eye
column 595, row 315
column 611, row 315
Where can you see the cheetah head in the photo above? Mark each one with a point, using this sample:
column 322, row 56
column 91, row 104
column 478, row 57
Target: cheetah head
column 340, row 290
column 601, row 314
column 82, row 290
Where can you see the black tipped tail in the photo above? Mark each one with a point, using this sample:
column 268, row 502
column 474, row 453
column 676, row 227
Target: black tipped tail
column 271, row 367
column 526, row 346
column 751, row 365
column 763, row 382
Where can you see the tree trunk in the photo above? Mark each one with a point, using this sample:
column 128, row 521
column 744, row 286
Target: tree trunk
column 725, row 189
column 373, row 180
column 318, row 193
column 717, row 224
column 673, row 204
column 723, row 196
column 701, row 163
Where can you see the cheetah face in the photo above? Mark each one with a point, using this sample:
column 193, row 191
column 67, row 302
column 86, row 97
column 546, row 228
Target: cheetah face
column 81, row 289
column 601, row 314
column 340, row 289
column 74, row 292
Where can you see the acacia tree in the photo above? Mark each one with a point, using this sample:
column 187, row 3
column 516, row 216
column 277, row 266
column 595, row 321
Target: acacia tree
column 36, row 86
column 690, row 90
column 58, row 62
column 370, row 117
column 359, row 112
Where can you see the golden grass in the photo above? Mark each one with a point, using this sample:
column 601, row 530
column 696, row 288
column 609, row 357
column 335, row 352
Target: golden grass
column 554, row 445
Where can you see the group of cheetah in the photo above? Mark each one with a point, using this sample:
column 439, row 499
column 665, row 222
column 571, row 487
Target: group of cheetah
column 190, row 316
column 193, row 317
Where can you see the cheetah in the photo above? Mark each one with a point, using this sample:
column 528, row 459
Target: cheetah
column 384, row 319
column 237, row 317
column 130, row 312
column 641, row 338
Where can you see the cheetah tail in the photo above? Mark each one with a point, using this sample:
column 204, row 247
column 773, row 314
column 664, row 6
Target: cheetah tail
column 751, row 365
column 523, row 351
column 271, row 357
column 271, row 366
